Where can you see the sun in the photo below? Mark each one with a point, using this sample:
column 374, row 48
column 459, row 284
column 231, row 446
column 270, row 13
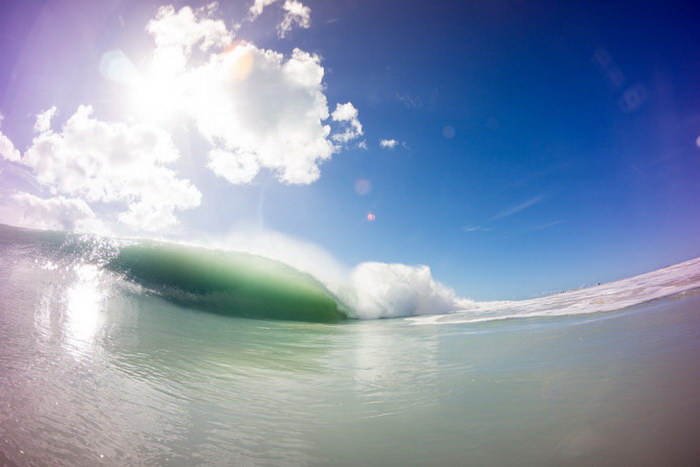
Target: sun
column 154, row 94
column 157, row 96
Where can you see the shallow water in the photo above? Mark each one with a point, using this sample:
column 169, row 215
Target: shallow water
column 94, row 369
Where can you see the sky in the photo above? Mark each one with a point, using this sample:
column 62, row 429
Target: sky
column 516, row 147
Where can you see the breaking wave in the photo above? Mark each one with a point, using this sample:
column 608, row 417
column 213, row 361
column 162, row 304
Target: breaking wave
column 292, row 284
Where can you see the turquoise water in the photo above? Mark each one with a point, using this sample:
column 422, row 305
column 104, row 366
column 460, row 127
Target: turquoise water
column 229, row 283
column 99, row 368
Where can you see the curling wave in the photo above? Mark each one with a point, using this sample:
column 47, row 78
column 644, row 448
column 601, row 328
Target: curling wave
column 231, row 283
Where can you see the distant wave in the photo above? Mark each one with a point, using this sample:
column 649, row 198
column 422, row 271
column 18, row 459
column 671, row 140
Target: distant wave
column 671, row 280
column 249, row 285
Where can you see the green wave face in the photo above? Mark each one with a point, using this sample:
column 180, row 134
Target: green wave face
column 236, row 284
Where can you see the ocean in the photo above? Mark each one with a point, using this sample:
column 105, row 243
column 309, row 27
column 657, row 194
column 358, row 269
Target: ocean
column 136, row 352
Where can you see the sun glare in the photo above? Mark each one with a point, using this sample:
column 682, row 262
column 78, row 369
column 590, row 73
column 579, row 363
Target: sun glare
column 156, row 97
column 154, row 94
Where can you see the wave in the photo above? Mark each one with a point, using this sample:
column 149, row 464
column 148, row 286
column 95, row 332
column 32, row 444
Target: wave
column 231, row 283
column 225, row 282
column 250, row 285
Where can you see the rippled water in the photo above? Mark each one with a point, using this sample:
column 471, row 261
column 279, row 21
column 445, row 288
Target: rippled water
column 93, row 370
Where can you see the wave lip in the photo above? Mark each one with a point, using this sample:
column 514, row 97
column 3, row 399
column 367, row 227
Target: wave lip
column 229, row 283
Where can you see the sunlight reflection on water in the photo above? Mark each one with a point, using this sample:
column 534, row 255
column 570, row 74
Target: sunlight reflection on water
column 84, row 298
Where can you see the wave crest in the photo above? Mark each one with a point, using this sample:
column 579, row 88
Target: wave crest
column 384, row 290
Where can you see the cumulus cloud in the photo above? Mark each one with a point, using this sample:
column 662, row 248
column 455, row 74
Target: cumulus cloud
column 7, row 148
column 388, row 143
column 175, row 34
column 111, row 163
column 257, row 108
column 295, row 14
column 348, row 114
column 59, row 213
column 43, row 120
column 186, row 27
column 258, row 6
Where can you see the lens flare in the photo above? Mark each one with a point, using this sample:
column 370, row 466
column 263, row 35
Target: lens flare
column 363, row 186
column 241, row 58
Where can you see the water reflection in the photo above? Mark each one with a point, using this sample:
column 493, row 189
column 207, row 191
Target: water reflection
column 393, row 370
column 83, row 301
column 385, row 357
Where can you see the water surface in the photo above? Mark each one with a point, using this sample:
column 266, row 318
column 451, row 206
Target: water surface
column 96, row 369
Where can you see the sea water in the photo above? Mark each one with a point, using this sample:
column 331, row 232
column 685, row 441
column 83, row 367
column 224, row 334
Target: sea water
column 97, row 369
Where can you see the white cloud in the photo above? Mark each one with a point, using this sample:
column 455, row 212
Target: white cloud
column 58, row 213
column 7, row 148
column 258, row 6
column 353, row 128
column 175, row 33
column 185, row 28
column 235, row 167
column 111, row 163
column 257, row 108
column 43, row 120
column 295, row 13
column 345, row 112
column 388, row 143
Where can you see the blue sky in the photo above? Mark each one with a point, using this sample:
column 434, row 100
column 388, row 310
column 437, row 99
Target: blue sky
column 539, row 147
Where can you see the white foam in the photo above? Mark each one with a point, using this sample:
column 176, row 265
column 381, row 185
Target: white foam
column 382, row 290
column 671, row 280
